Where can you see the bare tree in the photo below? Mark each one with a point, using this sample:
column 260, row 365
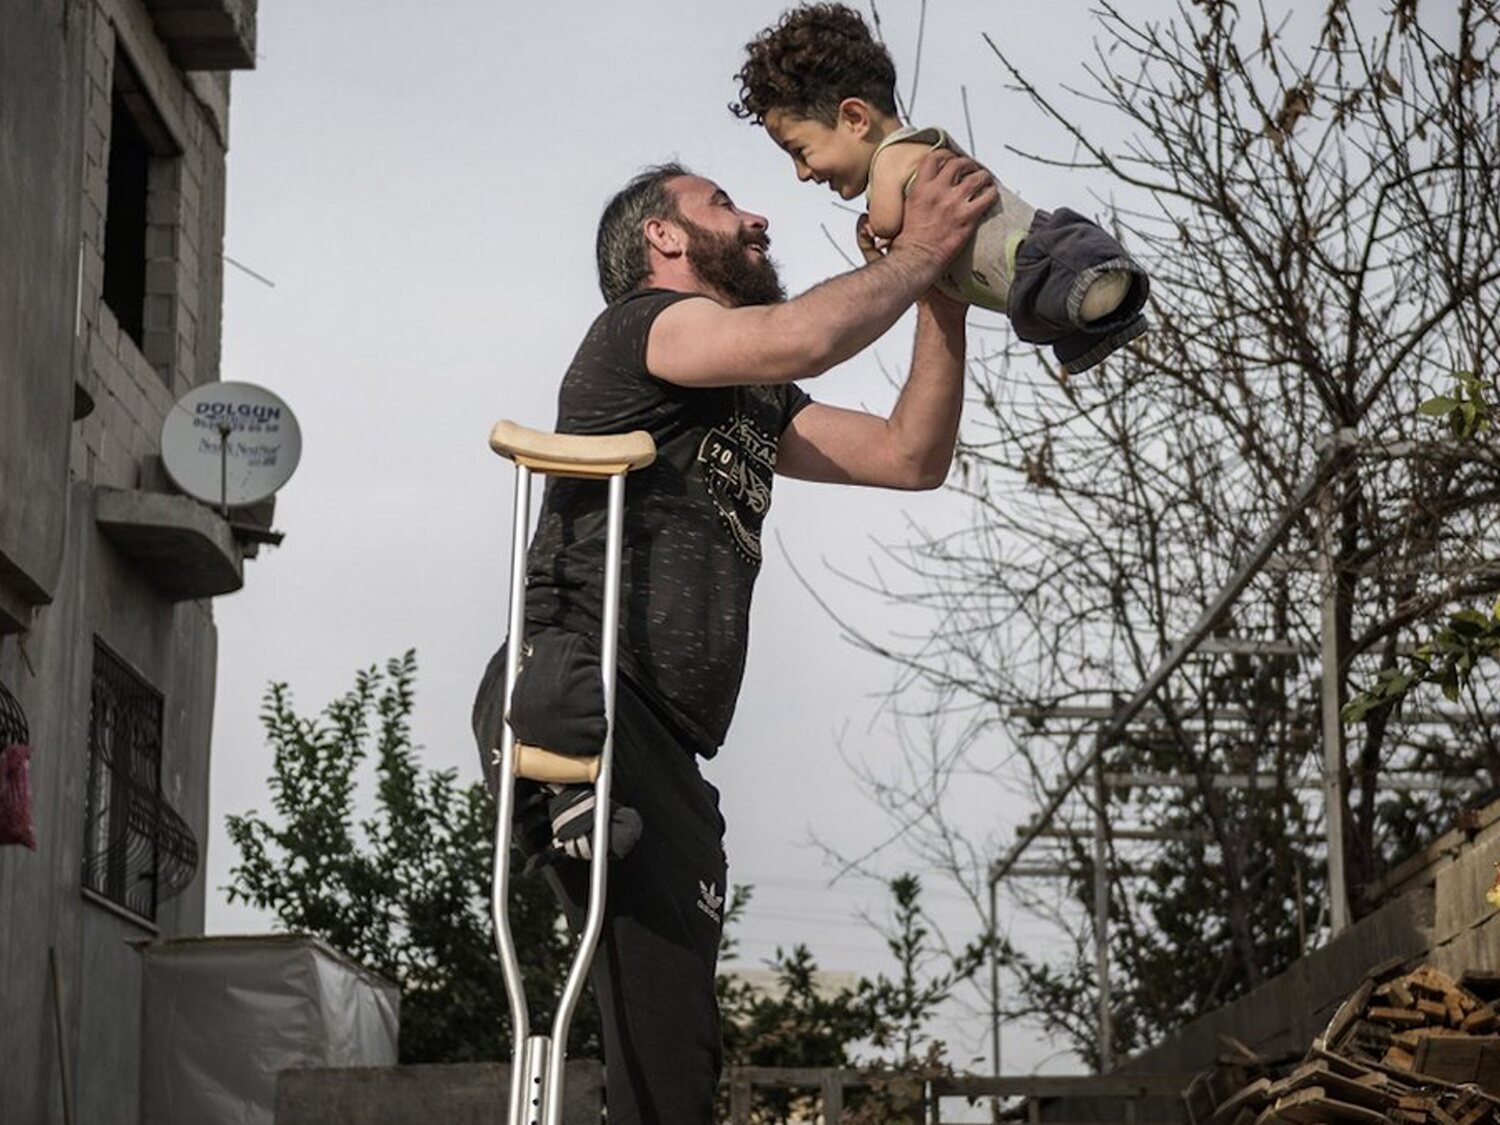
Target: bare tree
column 1318, row 202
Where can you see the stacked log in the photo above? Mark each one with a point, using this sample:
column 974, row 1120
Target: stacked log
column 1414, row 1047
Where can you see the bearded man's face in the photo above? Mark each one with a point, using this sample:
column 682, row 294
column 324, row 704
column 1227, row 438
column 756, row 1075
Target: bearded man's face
column 737, row 265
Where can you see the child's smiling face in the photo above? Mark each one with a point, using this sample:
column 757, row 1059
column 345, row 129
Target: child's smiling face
column 837, row 155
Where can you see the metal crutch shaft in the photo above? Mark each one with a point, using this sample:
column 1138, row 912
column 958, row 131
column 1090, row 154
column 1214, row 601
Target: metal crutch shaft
column 537, row 1061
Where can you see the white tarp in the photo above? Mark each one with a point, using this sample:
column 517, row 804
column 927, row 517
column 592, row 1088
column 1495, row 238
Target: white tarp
column 224, row 1014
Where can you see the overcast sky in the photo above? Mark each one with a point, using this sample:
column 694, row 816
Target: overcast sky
column 422, row 183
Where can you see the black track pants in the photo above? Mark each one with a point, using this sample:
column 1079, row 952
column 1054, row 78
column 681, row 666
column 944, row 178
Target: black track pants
column 653, row 973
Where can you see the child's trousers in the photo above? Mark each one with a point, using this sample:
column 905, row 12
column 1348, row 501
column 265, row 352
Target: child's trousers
column 653, row 973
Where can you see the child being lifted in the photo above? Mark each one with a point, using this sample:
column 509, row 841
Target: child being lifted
column 824, row 89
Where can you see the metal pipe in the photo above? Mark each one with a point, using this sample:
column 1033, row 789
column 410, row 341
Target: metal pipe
column 1101, row 917
column 60, row 1027
column 224, row 431
column 1416, row 783
column 536, row 1088
column 505, row 771
column 599, row 861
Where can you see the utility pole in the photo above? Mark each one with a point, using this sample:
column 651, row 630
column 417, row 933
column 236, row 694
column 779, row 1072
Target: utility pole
column 994, row 990
column 1101, row 917
column 1333, row 724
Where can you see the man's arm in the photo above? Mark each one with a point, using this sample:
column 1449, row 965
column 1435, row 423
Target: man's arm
column 702, row 343
column 911, row 449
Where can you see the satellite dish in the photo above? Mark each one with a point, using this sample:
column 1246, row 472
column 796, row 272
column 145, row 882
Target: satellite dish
column 230, row 444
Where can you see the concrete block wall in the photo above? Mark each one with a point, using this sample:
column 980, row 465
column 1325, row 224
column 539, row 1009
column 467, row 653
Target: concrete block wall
column 1466, row 927
column 1289, row 1010
column 455, row 1094
column 57, row 61
column 1438, row 915
column 43, row 908
column 135, row 385
column 41, row 116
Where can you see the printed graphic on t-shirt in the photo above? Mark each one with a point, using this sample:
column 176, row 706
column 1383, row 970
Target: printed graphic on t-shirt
column 710, row 901
column 739, row 461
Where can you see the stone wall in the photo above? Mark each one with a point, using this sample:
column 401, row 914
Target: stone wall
column 459, row 1094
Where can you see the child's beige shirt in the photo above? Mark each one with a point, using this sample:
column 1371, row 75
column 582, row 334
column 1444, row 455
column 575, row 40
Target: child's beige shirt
column 982, row 272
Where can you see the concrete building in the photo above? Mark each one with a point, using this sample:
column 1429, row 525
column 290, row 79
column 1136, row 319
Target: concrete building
column 113, row 130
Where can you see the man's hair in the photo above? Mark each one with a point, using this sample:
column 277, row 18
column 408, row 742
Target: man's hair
column 621, row 250
column 814, row 58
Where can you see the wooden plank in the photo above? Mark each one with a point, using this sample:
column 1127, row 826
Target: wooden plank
column 833, row 1099
column 1470, row 1095
column 1203, row 1095
column 1399, row 1058
column 1253, row 1096
column 1341, row 1086
column 1398, row 1017
column 1313, row 1105
column 1366, row 1033
column 1397, row 993
column 1433, row 981
column 1480, row 1020
column 1345, row 1067
column 740, row 1098
column 1348, row 1012
column 1461, row 1059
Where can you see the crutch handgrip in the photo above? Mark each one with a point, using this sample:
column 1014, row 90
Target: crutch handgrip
column 573, row 455
column 547, row 765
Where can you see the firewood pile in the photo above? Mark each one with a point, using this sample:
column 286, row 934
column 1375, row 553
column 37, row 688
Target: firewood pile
column 1413, row 1047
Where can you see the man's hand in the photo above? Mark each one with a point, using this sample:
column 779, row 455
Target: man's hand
column 948, row 198
column 948, row 310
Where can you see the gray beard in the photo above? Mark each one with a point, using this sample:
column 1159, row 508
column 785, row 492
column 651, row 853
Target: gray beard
column 722, row 262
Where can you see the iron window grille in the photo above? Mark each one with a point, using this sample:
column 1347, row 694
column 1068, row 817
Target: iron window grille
column 137, row 850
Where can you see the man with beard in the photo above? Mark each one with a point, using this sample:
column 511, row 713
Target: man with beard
column 699, row 347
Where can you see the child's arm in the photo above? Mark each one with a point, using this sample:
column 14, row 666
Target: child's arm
column 891, row 171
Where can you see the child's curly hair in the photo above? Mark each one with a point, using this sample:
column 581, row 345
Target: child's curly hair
column 814, row 58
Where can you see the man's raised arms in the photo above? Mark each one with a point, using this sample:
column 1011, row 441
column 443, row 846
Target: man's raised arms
column 704, row 343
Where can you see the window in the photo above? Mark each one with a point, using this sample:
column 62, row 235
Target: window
column 137, row 851
column 139, row 148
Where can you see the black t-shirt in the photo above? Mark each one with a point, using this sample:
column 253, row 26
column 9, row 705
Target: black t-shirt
column 692, row 519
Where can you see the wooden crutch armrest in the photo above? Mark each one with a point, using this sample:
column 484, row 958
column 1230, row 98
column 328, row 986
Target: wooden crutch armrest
column 536, row 764
column 573, row 455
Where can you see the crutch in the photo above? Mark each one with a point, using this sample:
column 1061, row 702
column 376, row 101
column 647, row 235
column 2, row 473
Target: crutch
column 536, row 1073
